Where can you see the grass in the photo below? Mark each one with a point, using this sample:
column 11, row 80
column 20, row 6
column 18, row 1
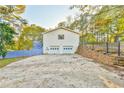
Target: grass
column 4, row 62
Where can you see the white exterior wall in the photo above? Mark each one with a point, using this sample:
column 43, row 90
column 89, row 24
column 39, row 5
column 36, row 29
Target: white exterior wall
column 51, row 39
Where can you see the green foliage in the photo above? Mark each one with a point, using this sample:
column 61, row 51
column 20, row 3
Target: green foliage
column 107, row 19
column 90, row 38
column 120, row 25
column 28, row 35
column 6, row 38
column 11, row 14
column 122, row 38
column 62, row 24
column 11, row 9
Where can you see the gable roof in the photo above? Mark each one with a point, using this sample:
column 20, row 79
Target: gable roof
column 61, row 28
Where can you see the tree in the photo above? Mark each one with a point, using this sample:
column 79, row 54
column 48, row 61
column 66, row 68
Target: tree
column 85, row 15
column 109, row 18
column 6, row 38
column 106, row 19
column 62, row 24
column 10, row 14
column 83, row 22
column 28, row 35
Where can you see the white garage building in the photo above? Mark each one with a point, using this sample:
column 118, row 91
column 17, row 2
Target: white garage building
column 60, row 41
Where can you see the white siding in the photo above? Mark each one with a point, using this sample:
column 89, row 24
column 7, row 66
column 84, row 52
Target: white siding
column 51, row 39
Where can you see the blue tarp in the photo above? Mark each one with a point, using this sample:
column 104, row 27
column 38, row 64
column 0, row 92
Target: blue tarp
column 37, row 50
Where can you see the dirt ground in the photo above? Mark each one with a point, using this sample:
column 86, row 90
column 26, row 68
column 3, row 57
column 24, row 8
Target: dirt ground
column 58, row 71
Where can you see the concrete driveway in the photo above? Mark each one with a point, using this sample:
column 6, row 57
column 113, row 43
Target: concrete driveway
column 58, row 71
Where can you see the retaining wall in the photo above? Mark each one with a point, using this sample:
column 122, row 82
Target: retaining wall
column 97, row 56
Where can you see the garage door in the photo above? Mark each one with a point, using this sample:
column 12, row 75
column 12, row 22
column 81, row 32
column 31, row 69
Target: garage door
column 54, row 50
column 67, row 49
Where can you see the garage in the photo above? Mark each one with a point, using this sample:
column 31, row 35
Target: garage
column 60, row 41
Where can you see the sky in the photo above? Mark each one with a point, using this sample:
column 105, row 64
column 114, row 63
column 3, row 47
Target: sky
column 47, row 16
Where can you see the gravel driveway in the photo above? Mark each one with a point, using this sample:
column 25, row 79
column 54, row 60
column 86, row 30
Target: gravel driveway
column 58, row 71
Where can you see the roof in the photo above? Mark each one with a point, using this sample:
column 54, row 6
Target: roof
column 61, row 28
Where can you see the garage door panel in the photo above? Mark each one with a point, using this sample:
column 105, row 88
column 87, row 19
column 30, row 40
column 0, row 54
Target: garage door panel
column 54, row 50
column 67, row 49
